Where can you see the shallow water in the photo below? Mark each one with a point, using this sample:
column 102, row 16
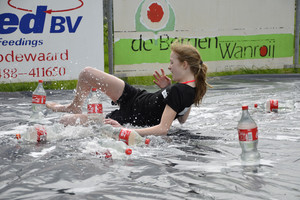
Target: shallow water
column 197, row 160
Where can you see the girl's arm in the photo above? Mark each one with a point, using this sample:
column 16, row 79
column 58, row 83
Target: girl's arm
column 182, row 119
column 165, row 123
column 162, row 128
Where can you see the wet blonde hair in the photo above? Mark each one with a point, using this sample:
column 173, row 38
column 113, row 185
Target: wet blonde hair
column 190, row 54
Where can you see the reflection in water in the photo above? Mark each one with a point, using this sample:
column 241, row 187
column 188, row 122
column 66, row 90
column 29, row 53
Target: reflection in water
column 197, row 160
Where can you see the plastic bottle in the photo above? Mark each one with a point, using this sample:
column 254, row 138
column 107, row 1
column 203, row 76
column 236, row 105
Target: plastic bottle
column 275, row 106
column 248, row 137
column 95, row 109
column 268, row 106
column 38, row 101
column 117, row 145
column 129, row 136
column 36, row 133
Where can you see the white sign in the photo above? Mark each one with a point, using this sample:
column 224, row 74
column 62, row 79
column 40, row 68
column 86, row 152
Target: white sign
column 49, row 39
column 229, row 34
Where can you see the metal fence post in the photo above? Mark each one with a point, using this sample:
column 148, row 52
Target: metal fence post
column 110, row 36
column 296, row 56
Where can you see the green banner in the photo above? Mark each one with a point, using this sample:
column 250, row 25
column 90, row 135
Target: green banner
column 137, row 51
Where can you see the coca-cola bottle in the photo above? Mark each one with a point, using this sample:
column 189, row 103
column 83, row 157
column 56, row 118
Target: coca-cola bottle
column 38, row 101
column 129, row 136
column 94, row 108
column 116, row 145
column 36, row 133
column 268, row 106
column 276, row 106
column 248, row 137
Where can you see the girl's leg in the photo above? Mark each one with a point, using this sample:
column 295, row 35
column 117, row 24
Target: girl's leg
column 90, row 77
column 74, row 119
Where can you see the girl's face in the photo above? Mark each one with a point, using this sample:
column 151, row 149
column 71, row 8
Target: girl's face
column 176, row 67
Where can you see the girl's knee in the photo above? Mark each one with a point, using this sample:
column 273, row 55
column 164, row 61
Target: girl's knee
column 87, row 71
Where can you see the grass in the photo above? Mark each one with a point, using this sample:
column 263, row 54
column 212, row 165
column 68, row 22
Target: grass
column 48, row 85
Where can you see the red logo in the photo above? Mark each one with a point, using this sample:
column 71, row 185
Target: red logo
column 124, row 135
column 41, row 133
column 155, row 12
column 263, row 51
column 248, row 134
column 38, row 99
column 273, row 105
column 48, row 11
column 95, row 108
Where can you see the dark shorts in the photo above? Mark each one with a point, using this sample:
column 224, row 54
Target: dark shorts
column 125, row 114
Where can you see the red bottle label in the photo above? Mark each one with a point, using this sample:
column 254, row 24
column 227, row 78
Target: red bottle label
column 38, row 99
column 273, row 105
column 107, row 154
column 124, row 135
column 95, row 108
column 248, row 134
column 41, row 134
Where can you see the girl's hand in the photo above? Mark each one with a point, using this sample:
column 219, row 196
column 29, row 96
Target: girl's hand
column 162, row 81
column 112, row 122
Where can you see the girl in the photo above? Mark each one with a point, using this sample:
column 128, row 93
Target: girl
column 138, row 107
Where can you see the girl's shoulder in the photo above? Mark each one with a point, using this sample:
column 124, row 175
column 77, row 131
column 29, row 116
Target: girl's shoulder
column 182, row 88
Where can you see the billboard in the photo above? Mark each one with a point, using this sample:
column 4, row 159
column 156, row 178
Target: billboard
column 49, row 39
column 228, row 34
